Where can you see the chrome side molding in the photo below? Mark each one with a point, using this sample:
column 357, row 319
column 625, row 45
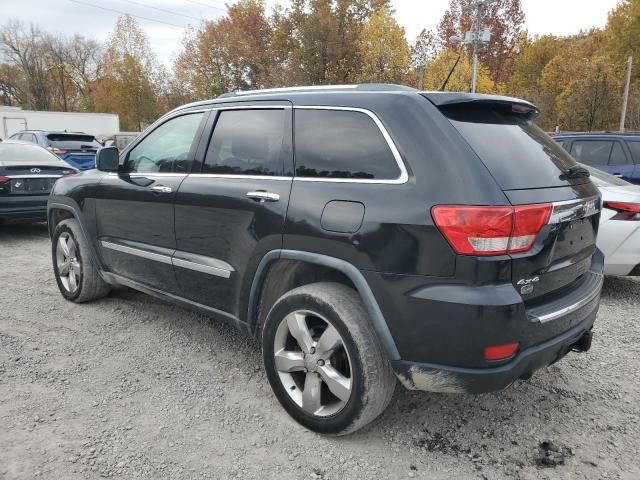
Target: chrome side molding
column 214, row 266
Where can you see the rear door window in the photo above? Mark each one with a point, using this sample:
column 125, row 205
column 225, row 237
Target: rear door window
column 634, row 146
column 592, row 152
column 247, row 142
column 341, row 144
column 516, row 152
column 618, row 157
column 72, row 141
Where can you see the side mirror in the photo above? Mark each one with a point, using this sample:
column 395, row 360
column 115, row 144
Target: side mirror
column 108, row 159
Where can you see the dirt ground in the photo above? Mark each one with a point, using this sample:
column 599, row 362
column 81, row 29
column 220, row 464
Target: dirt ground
column 130, row 387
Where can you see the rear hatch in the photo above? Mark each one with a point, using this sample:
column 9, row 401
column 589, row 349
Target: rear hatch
column 29, row 170
column 77, row 149
column 531, row 168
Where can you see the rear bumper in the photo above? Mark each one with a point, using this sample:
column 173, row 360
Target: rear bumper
column 23, row 209
column 442, row 378
column 441, row 330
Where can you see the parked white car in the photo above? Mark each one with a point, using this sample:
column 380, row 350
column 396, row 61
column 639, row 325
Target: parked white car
column 619, row 235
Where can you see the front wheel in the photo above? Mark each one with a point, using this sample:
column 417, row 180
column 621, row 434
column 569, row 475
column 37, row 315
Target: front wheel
column 324, row 361
column 77, row 278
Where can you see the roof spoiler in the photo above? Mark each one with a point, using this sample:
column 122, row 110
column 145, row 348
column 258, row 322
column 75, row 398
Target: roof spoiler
column 444, row 99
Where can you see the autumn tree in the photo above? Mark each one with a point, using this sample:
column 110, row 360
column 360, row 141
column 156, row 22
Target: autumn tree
column 383, row 50
column 130, row 78
column 622, row 34
column 423, row 50
column 436, row 72
column 231, row 53
column 505, row 18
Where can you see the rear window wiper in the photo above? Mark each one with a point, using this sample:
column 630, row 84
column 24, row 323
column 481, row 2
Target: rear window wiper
column 575, row 172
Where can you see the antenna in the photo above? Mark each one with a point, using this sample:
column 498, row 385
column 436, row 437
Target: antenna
column 441, row 89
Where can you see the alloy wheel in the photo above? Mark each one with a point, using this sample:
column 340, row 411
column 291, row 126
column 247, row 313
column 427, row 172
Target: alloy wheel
column 313, row 363
column 68, row 265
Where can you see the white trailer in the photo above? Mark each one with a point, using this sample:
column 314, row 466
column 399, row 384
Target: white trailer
column 14, row 119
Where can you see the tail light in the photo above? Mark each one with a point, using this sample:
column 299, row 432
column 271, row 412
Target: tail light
column 626, row 211
column 474, row 230
column 4, row 179
column 57, row 151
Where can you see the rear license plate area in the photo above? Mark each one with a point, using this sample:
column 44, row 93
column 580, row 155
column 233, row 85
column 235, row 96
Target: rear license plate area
column 31, row 185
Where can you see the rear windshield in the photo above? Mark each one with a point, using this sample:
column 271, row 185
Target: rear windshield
column 518, row 153
column 71, row 141
column 21, row 153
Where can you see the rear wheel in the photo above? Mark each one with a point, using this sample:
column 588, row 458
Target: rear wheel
column 77, row 278
column 323, row 360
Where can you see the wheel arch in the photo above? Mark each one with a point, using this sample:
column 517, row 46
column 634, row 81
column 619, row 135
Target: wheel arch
column 58, row 212
column 269, row 284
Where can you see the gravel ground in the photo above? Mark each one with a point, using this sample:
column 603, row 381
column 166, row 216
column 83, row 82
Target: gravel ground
column 130, row 387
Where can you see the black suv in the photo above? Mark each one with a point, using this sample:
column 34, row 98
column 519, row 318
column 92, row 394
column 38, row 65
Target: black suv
column 363, row 233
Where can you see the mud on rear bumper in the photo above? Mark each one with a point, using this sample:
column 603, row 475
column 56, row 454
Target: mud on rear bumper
column 441, row 378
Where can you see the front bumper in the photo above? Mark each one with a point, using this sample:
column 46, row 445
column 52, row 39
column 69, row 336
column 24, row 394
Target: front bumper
column 23, row 208
column 441, row 378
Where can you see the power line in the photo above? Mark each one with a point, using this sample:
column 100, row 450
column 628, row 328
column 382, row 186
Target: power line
column 207, row 5
column 126, row 13
column 162, row 10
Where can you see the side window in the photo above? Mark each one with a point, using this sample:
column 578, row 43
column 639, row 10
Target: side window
column 618, row 157
column 29, row 137
column 592, row 152
column 247, row 142
column 166, row 149
column 341, row 144
column 634, row 146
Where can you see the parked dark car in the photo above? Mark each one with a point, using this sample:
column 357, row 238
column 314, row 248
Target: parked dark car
column 27, row 173
column 615, row 153
column 438, row 238
column 78, row 149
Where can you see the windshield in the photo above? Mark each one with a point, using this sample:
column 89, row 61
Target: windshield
column 603, row 179
column 518, row 153
column 71, row 141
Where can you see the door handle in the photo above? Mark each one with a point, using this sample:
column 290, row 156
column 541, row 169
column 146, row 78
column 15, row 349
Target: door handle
column 161, row 189
column 263, row 196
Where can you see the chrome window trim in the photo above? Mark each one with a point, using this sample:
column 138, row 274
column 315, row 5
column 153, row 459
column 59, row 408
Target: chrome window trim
column 404, row 175
column 238, row 176
column 149, row 174
column 575, row 209
column 220, row 269
column 158, row 257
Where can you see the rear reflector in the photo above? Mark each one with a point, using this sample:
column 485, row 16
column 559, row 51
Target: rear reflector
column 4, row 179
column 473, row 230
column 500, row 352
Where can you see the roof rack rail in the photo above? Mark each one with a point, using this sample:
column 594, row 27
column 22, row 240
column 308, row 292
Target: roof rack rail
column 314, row 88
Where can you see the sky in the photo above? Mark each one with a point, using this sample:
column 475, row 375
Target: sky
column 164, row 21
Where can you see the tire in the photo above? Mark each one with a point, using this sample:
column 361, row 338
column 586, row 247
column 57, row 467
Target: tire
column 86, row 284
column 364, row 383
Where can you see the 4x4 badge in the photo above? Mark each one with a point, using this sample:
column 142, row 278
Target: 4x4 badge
column 527, row 285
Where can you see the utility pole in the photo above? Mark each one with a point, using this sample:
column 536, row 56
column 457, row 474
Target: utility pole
column 476, row 36
column 474, row 69
column 625, row 98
